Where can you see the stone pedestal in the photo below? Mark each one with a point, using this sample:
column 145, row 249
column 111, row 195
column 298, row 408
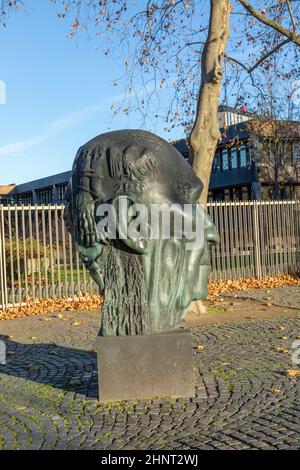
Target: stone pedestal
column 148, row 366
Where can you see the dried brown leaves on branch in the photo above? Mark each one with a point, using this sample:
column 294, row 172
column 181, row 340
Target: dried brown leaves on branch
column 173, row 51
column 7, row 7
column 160, row 43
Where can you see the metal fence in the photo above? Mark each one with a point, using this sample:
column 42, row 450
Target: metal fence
column 38, row 258
column 258, row 238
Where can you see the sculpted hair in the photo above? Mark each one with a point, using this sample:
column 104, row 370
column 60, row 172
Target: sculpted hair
column 131, row 163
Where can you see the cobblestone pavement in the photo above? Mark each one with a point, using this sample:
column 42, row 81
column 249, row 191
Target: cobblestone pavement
column 286, row 296
column 244, row 398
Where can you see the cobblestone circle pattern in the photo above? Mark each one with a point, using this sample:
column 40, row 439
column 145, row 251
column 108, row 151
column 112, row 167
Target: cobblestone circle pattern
column 245, row 399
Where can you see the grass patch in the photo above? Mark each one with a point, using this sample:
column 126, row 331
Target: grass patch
column 214, row 309
column 223, row 374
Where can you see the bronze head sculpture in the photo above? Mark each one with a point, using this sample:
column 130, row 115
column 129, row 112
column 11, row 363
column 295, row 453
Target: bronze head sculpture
column 148, row 282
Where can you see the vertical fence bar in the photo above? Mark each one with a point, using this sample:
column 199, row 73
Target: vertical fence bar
column 78, row 273
column 217, row 249
column 223, row 274
column 63, row 230
column 38, row 252
column 297, row 229
column 25, row 265
column 11, row 253
column 268, row 221
column 2, row 303
column 31, row 253
column 45, row 254
column 57, row 250
column 51, row 252
column 261, row 224
column 257, row 251
column 292, row 221
column 71, row 264
column 245, row 242
column 5, row 290
column 289, row 235
column 3, row 278
column 18, row 255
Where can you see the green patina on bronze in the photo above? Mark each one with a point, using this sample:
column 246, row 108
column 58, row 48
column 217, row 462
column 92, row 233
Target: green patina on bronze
column 147, row 283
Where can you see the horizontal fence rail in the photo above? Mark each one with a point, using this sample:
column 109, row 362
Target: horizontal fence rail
column 38, row 259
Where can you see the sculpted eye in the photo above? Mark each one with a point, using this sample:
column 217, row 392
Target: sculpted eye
column 191, row 190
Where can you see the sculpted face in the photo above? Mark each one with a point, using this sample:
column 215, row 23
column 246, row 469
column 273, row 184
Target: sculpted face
column 148, row 282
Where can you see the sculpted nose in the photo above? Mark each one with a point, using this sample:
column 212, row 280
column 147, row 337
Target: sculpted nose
column 212, row 235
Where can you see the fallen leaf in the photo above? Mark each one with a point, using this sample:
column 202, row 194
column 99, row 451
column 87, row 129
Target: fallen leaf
column 293, row 372
column 283, row 350
column 276, row 390
column 77, row 322
column 199, row 347
column 216, row 288
column 92, row 302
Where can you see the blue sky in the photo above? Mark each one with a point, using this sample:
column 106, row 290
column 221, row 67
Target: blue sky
column 59, row 94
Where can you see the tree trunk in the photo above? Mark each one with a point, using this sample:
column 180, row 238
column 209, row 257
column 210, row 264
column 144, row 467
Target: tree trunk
column 205, row 133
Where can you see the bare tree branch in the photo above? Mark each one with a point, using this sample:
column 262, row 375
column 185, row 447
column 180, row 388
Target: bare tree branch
column 291, row 15
column 269, row 22
column 261, row 60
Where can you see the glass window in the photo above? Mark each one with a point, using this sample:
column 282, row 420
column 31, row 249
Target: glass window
column 250, row 154
column 25, row 198
column 243, row 156
column 245, row 193
column 218, row 195
column 296, row 152
column 217, row 161
column 45, row 196
column 236, row 193
column 225, row 160
column 227, row 194
column 233, row 156
column 61, row 191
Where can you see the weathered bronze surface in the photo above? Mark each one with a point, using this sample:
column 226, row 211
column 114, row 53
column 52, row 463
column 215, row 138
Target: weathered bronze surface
column 147, row 283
